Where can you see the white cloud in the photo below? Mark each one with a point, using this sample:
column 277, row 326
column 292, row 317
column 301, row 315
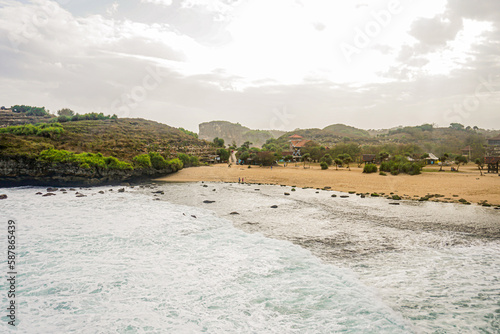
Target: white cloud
column 158, row 2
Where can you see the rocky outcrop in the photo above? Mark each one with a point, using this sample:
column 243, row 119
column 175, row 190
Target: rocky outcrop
column 21, row 170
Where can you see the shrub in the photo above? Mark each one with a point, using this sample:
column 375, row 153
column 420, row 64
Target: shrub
column 194, row 161
column 370, row 168
column 382, row 173
column 175, row 164
column 184, row 158
column 142, row 161
column 41, row 129
column 327, row 158
column 85, row 160
column 157, row 160
column 324, row 165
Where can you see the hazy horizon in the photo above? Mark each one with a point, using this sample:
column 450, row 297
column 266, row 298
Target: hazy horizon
column 280, row 65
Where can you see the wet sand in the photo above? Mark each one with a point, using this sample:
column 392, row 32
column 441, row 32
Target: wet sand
column 466, row 184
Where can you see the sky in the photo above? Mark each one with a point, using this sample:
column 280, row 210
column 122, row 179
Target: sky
column 267, row 64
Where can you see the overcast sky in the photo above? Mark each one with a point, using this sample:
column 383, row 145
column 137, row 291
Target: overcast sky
column 268, row 64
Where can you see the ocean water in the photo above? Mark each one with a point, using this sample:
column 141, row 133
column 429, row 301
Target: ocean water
column 129, row 263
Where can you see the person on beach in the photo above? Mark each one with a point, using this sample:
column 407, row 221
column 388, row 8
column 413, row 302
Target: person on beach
column 239, row 180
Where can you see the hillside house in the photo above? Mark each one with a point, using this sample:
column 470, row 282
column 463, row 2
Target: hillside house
column 467, row 152
column 296, row 144
column 369, row 158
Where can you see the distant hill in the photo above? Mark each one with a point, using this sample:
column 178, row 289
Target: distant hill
column 346, row 131
column 235, row 132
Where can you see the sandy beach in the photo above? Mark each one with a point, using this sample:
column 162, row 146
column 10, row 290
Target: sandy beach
column 466, row 184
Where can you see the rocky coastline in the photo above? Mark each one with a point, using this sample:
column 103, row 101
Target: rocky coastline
column 26, row 171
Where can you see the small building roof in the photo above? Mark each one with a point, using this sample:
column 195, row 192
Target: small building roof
column 467, row 148
column 369, row 157
column 295, row 137
column 491, row 160
column 432, row 157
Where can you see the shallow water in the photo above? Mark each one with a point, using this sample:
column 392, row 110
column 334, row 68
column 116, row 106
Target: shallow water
column 125, row 263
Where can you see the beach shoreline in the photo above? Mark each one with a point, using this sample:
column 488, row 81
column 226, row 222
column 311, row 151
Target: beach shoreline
column 467, row 184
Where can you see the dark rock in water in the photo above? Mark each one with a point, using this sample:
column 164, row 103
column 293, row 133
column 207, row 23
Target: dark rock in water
column 38, row 193
column 362, row 196
column 274, row 206
column 3, row 196
column 343, row 196
column 287, row 194
column 293, row 189
column 159, row 192
column 121, row 190
column 48, row 194
column 396, row 197
column 72, row 189
column 327, row 187
column 393, row 203
column 101, row 192
column 256, row 189
column 81, row 195
column 351, row 192
column 334, row 195
column 249, row 223
column 110, row 189
column 208, row 202
column 156, row 199
column 52, row 189
column 62, row 190
column 193, row 216
column 234, row 213
column 317, row 192
column 213, row 189
column 205, row 186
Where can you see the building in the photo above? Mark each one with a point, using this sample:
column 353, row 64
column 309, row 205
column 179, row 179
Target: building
column 296, row 144
column 492, row 163
column 494, row 141
column 369, row 158
column 431, row 159
column 467, row 151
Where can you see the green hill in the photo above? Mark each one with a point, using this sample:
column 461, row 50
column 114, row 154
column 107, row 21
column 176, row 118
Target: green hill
column 346, row 131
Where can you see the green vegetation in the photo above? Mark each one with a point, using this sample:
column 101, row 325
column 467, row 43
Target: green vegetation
column 30, row 111
column 218, row 142
column 67, row 117
column 142, row 161
column 370, row 168
column 323, row 165
column 84, row 160
column 460, row 160
column 400, row 164
column 190, row 133
column 40, row 129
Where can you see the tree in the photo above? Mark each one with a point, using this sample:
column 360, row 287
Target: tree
column 383, row 155
column 460, row 159
column 346, row 159
column 327, row 158
column 305, row 158
column 338, row 162
column 223, row 154
column 456, row 126
column 218, row 142
column 479, row 164
column 65, row 112
column 443, row 160
column 323, row 165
